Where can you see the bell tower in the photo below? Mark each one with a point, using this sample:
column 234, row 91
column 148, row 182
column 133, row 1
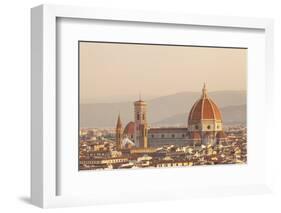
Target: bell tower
column 141, row 128
column 119, row 133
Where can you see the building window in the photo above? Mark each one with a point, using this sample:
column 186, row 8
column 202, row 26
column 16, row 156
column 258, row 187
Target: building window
column 208, row 127
column 218, row 126
column 183, row 135
column 152, row 136
column 196, row 127
column 138, row 116
column 173, row 136
column 143, row 117
column 162, row 136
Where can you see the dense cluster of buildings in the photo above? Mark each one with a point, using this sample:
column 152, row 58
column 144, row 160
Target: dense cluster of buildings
column 203, row 142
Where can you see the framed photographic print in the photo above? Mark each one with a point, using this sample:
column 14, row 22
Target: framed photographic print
column 148, row 105
column 170, row 127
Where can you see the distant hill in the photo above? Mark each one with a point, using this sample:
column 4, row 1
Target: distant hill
column 167, row 110
column 230, row 115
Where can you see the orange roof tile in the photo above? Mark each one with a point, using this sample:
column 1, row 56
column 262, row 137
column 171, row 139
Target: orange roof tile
column 130, row 128
column 204, row 109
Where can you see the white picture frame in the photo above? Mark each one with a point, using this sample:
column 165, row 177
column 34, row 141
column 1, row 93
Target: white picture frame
column 44, row 153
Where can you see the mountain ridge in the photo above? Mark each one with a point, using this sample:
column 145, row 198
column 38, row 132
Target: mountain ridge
column 227, row 112
column 161, row 108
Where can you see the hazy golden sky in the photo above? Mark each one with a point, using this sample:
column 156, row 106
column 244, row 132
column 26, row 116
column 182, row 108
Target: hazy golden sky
column 117, row 72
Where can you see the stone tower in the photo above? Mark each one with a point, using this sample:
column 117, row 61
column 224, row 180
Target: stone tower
column 141, row 128
column 119, row 131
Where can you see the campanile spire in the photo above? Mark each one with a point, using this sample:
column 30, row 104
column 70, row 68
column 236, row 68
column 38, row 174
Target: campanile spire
column 118, row 131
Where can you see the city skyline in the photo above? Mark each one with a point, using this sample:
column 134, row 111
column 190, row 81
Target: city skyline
column 203, row 141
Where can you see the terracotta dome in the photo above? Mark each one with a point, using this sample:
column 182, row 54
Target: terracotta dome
column 204, row 109
column 129, row 129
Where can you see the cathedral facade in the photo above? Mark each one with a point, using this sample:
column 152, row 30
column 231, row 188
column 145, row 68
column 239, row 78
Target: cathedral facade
column 204, row 127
